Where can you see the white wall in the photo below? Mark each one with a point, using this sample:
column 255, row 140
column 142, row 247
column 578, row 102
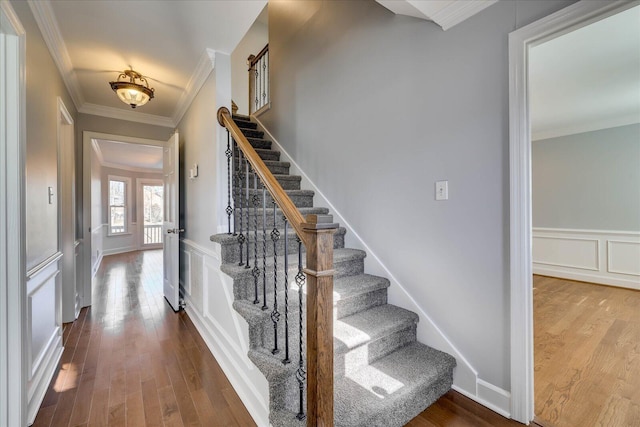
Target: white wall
column 375, row 108
column 256, row 38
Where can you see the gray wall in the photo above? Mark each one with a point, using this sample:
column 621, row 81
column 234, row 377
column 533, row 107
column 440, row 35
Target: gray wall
column 588, row 181
column 377, row 107
column 44, row 85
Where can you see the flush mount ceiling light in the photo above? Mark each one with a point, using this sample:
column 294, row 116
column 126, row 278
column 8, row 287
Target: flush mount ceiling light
column 130, row 92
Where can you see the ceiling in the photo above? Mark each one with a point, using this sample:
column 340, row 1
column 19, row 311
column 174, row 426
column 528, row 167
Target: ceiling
column 133, row 157
column 445, row 13
column 588, row 79
column 170, row 42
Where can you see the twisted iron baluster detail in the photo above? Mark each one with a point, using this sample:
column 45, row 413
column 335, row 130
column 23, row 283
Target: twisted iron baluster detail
column 256, row 80
column 241, row 238
column 234, row 190
column 301, row 373
column 275, row 315
column 256, row 269
column 264, row 248
column 286, row 294
column 246, row 162
column 229, row 209
column 264, row 85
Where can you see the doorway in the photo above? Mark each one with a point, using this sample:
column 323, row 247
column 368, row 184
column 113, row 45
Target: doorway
column 116, row 169
column 520, row 43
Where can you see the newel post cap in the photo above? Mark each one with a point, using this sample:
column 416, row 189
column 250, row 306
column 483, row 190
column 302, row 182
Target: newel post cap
column 319, row 222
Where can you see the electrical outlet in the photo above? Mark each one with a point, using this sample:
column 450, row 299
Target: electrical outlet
column 442, row 190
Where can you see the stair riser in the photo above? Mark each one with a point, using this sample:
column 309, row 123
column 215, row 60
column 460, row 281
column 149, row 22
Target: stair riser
column 231, row 251
column 285, row 182
column 304, row 200
column 359, row 357
column 243, row 286
column 260, row 143
column 243, row 124
column 264, row 154
column 286, row 395
column 347, row 307
column 250, row 133
column 276, row 168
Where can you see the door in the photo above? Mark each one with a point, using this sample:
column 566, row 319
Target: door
column 170, row 226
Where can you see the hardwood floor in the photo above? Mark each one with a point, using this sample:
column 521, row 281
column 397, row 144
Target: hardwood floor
column 587, row 354
column 129, row 360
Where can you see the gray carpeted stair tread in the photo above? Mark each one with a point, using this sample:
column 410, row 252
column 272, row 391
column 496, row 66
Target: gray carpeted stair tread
column 393, row 390
column 241, row 117
column 369, row 325
column 230, row 239
column 259, row 143
column 388, row 393
column 351, row 286
column 339, row 256
column 264, row 153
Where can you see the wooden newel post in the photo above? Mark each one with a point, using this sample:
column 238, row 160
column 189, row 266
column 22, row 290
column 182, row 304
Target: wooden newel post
column 319, row 230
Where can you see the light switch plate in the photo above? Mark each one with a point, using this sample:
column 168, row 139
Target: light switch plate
column 442, row 190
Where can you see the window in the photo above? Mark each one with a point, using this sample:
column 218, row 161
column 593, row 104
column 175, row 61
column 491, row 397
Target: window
column 118, row 205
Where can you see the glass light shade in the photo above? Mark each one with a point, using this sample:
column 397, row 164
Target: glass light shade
column 132, row 94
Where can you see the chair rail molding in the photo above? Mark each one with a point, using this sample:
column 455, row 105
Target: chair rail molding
column 520, row 41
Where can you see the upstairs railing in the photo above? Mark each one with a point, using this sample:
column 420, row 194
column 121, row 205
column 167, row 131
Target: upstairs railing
column 248, row 181
column 258, row 80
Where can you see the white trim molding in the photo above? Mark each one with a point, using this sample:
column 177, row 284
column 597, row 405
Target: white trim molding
column 198, row 78
column 520, row 42
column 122, row 114
column 596, row 256
column 13, row 364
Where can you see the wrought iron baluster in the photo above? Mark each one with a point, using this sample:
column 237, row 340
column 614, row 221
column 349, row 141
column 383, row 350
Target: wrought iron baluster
column 264, row 248
column 256, row 80
column 241, row 238
column 301, row 373
column 286, row 294
column 234, row 174
column 246, row 162
column 256, row 269
column 229, row 209
column 264, row 81
column 275, row 315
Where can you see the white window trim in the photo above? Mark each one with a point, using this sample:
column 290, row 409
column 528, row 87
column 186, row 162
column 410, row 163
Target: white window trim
column 140, row 209
column 127, row 210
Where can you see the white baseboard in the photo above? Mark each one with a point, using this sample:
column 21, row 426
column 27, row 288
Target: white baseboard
column 465, row 379
column 596, row 256
column 37, row 387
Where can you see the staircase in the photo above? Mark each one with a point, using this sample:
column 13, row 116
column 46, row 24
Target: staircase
column 382, row 375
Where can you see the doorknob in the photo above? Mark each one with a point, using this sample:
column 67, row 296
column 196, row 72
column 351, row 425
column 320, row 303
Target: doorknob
column 175, row 230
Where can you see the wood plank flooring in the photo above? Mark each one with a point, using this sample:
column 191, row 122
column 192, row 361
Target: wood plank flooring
column 587, row 354
column 129, row 360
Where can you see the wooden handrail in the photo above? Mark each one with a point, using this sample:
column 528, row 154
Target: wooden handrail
column 252, row 59
column 272, row 185
column 316, row 233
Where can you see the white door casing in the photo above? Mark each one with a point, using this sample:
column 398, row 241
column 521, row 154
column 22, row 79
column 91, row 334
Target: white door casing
column 13, row 397
column 520, row 41
column 170, row 225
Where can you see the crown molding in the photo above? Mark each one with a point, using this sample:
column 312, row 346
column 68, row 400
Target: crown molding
column 445, row 14
column 97, row 150
column 46, row 20
column 121, row 114
column 199, row 76
column 11, row 16
column 119, row 166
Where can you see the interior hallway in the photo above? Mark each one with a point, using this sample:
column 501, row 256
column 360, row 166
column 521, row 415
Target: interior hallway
column 130, row 360
column 587, row 354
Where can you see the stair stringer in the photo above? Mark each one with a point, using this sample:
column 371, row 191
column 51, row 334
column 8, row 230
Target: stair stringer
column 465, row 378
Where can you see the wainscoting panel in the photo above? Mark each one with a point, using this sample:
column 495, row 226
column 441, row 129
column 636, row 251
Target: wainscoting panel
column 597, row 256
column 44, row 329
column 208, row 294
